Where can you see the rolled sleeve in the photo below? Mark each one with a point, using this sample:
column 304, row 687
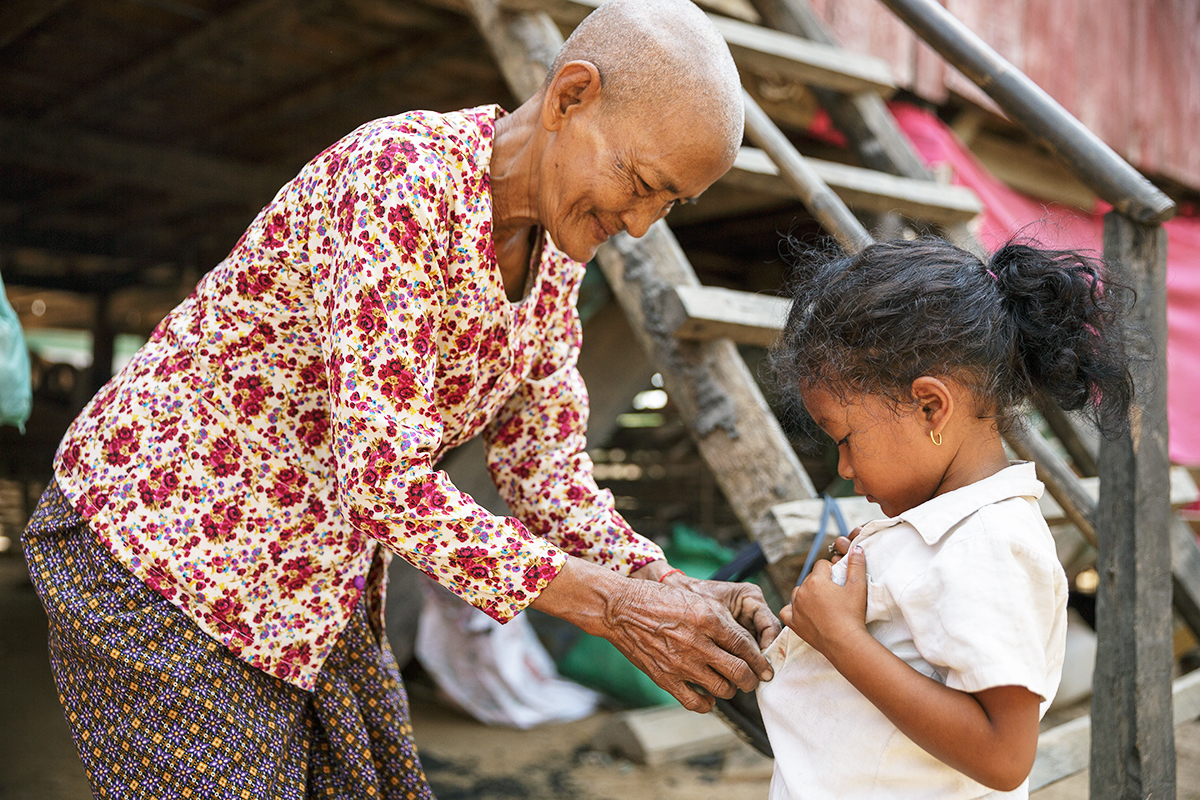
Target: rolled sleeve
column 536, row 452
column 986, row 612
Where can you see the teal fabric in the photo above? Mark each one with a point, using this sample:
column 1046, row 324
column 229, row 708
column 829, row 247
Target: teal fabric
column 16, row 392
column 594, row 662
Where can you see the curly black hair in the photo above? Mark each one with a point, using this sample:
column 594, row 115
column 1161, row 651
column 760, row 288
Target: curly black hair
column 1029, row 324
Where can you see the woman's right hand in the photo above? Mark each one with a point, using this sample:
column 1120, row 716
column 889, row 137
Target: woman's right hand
column 688, row 644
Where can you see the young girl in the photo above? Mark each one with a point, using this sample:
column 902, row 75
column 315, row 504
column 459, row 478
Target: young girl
column 921, row 665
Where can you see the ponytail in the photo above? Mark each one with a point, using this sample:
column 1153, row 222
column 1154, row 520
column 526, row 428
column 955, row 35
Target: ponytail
column 1070, row 337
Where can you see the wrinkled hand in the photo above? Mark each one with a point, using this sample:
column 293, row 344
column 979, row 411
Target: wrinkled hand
column 841, row 545
column 688, row 643
column 746, row 603
column 825, row 614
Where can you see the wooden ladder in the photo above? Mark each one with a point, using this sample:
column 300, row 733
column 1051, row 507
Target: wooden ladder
column 691, row 333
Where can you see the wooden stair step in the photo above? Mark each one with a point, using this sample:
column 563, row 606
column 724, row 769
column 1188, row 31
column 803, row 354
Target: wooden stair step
column 705, row 313
column 862, row 189
column 760, row 50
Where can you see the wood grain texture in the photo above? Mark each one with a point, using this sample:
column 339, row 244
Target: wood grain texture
column 1133, row 745
column 863, row 189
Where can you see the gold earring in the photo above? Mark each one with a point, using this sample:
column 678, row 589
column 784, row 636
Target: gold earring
column 936, row 438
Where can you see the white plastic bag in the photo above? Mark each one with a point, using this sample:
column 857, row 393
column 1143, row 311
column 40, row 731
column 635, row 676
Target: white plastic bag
column 499, row 674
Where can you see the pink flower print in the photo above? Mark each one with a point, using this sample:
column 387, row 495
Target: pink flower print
column 249, row 393
column 424, row 498
column 289, row 487
column 371, row 317
column 220, row 524
column 312, row 427
column 224, row 458
column 298, row 572
column 397, row 380
column 254, row 281
column 121, row 446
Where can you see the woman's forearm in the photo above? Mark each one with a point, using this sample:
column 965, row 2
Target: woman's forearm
column 990, row 736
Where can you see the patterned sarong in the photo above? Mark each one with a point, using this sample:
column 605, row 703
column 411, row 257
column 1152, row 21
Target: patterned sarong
column 159, row 709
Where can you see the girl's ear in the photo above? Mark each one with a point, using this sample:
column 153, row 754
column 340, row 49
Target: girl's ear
column 576, row 85
column 936, row 402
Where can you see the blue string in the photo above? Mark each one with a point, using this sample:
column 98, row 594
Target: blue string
column 829, row 508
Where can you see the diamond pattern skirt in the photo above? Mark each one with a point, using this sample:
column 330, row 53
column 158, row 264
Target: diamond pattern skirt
column 159, row 709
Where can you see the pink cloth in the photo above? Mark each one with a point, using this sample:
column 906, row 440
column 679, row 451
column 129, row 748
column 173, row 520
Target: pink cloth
column 1008, row 213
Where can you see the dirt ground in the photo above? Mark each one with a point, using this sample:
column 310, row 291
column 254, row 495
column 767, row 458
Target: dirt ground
column 464, row 759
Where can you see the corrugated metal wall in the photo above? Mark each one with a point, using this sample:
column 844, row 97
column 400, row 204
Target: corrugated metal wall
column 1129, row 69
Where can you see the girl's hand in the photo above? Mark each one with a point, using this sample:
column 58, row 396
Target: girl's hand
column 827, row 615
column 841, row 545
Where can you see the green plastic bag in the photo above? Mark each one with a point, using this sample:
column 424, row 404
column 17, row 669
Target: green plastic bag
column 16, row 392
column 594, row 662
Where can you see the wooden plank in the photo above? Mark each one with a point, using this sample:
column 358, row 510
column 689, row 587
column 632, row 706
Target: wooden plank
column 865, row 189
column 1061, row 481
column 705, row 313
column 168, row 168
column 18, row 17
column 125, row 83
column 775, row 53
column 1065, row 749
column 862, row 117
column 822, row 203
column 659, row 735
column 1025, row 169
column 1133, row 746
column 759, row 50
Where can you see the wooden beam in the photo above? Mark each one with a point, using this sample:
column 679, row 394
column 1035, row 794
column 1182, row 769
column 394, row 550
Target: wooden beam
column 18, row 17
column 167, row 168
column 1066, row 749
column 1027, row 170
column 801, row 178
column 1133, row 745
column 760, row 50
column 299, row 106
column 862, row 117
column 125, row 83
column 865, row 189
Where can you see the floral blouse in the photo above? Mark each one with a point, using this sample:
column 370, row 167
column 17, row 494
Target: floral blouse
column 289, row 414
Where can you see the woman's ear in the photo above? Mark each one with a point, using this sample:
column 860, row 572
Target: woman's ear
column 936, row 402
column 576, row 86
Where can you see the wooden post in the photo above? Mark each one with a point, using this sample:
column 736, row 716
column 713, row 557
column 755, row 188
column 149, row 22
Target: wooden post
column 1133, row 744
column 103, row 339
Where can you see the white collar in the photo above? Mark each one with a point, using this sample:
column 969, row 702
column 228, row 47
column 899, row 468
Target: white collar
column 934, row 518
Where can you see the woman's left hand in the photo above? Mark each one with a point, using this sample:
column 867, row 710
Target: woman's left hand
column 827, row 615
column 745, row 601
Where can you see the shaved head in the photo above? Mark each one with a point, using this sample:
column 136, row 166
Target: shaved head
column 660, row 56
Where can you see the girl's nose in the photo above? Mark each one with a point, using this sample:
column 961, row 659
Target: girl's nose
column 844, row 468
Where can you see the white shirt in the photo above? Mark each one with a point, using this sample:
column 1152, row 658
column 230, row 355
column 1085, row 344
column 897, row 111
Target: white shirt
column 967, row 589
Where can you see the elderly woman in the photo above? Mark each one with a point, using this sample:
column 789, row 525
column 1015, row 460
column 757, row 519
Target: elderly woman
column 211, row 553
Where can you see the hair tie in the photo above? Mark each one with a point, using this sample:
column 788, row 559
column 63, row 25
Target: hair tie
column 995, row 279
